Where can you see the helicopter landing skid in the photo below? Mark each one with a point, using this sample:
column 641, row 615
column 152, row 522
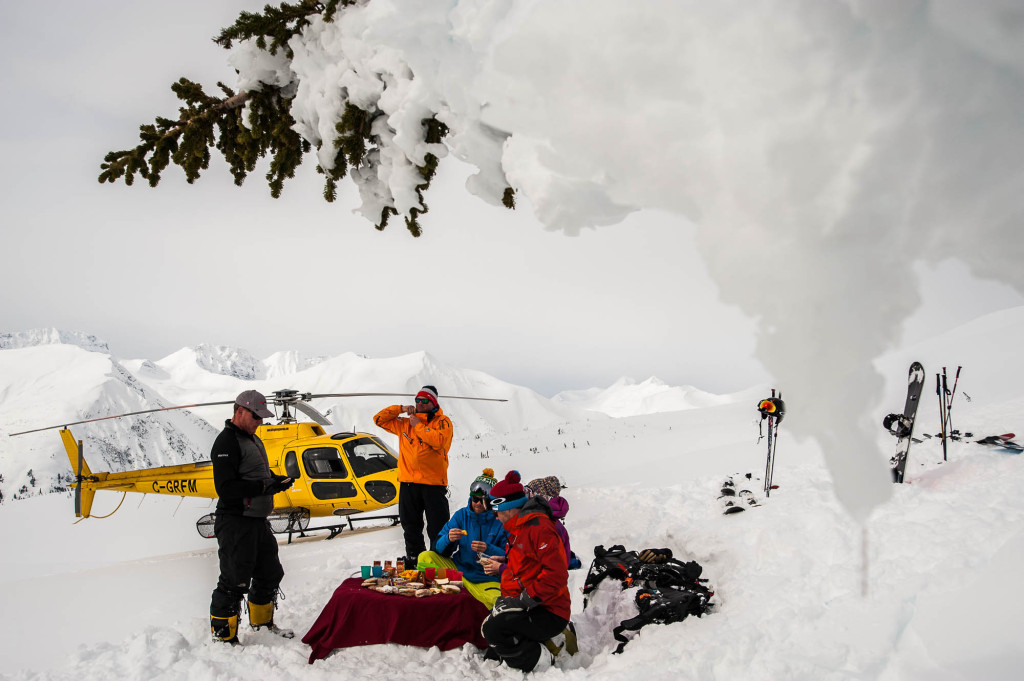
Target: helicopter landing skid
column 337, row 529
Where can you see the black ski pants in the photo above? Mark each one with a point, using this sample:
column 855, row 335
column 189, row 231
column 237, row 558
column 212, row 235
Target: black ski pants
column 518, row 636
column 415, row 501
column 248, row 563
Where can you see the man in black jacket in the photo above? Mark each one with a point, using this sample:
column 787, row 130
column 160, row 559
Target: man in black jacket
column 246, row 546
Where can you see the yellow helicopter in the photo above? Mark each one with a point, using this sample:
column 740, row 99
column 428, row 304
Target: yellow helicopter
column 335, row 475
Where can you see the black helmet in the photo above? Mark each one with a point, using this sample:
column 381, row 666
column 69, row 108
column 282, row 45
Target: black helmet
column 483, row 484
column 772, row 407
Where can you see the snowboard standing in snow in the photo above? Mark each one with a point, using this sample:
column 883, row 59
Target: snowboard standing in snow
column 902, row 425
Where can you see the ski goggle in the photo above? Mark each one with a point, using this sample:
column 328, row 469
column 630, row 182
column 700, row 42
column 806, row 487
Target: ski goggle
column 479, row 488
column 478, row 497
column 767, row 406
column 423, row 400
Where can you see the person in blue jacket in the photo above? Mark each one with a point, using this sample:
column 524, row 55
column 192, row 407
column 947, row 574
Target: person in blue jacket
column 472, row 532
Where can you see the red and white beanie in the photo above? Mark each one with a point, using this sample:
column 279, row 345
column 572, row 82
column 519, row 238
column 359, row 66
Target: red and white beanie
column 429, row 392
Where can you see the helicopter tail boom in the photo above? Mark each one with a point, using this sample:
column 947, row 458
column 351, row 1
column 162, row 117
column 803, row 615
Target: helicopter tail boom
column 185, row 480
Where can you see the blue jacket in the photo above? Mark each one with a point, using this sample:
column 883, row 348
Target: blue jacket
column 480, row 527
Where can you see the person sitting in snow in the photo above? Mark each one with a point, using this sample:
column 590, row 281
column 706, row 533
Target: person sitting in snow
column 550, row 488
column 535, row 603
column 472, row 532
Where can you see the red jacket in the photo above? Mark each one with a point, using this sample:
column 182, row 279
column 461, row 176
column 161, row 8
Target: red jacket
column 422, row 445
column 536, row 560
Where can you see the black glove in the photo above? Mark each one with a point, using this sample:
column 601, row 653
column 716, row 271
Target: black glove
column 279, row 483
column 654, row 555
column 513, row 603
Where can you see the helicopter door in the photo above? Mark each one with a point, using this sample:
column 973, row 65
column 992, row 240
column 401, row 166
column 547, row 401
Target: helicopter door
column 326, row 467
column 369, row 457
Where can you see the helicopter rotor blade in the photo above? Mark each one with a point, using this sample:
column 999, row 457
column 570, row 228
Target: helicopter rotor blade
column 312, row 413
column 443, row 397
column 276, row 401
column 484, row 399
column 131, row 413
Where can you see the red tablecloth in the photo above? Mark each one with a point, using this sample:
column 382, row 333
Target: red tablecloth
column 359, row 617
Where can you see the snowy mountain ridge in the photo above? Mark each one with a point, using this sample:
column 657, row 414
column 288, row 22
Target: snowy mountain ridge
column 51, row 336
column 52, row 377
column 221, row 359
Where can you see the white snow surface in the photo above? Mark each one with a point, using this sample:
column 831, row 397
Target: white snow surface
column 817, row 146
column 927, row 589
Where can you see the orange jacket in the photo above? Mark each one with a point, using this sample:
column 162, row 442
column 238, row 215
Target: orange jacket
column 422, row 446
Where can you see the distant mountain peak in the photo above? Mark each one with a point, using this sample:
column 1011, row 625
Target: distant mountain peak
column 290, row 362
column 51, row 336
column 229, row 361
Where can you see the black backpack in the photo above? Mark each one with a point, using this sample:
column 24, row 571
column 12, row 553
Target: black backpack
column 616, row 562
column 668, row 591
column 662, row 606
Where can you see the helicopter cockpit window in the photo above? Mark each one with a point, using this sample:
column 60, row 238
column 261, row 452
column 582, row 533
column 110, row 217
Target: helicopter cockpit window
column 324, row 462
column 291, row 466
column 367, row 456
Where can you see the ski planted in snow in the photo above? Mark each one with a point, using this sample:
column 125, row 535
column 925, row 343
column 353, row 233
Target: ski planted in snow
column 902, row 425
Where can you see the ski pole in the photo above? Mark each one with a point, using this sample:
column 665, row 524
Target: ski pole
column 949, row 404
column 943, row 411
column 768, row 461
column 769, row 468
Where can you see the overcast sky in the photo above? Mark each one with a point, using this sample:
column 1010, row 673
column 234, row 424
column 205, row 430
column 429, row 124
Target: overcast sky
column 154, row 270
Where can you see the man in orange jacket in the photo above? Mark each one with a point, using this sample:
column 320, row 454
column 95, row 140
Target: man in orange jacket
column 534, row 606
column 424, row 438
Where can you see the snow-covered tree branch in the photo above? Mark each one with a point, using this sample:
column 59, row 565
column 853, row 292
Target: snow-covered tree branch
column 355, row 109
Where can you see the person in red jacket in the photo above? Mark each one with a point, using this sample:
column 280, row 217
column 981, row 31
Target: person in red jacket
column 535, row 604
column 424, row 438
